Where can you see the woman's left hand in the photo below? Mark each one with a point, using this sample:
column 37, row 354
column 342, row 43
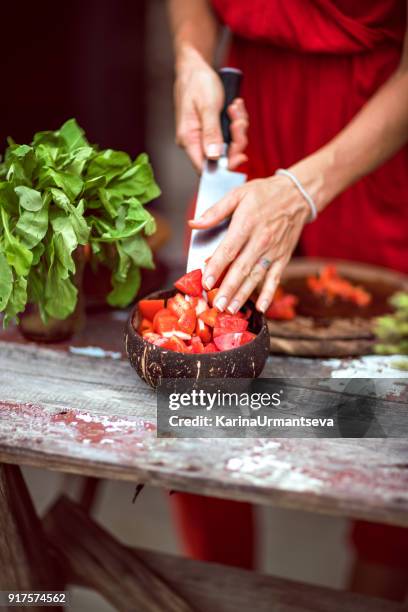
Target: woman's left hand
column 268, row 216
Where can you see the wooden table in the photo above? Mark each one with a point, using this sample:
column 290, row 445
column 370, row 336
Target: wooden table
column 91, row 415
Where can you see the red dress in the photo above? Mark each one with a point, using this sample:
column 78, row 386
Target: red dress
column 309, row 66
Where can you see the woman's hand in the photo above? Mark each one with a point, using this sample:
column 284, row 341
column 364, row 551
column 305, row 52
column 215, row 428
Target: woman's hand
column 268, row 216
column 199, row 98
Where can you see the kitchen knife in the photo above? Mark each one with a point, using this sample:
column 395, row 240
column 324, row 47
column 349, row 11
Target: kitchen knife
column 216, row 181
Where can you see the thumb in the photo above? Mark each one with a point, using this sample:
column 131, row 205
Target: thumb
column 211, row 131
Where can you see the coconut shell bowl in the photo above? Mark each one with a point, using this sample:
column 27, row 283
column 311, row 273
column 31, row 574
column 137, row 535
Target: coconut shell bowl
column 154, row 363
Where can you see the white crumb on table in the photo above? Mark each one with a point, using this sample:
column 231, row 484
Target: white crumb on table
column 368, row 366
column 94, row 351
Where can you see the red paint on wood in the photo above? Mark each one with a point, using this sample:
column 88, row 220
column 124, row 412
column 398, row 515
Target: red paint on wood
column 99, row 428
column 80, row 433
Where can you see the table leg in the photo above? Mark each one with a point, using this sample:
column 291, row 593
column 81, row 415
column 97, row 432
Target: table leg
column 26, row 561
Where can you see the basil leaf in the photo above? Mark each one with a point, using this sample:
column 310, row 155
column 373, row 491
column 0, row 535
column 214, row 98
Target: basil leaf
column 68, row 182
column 18, row 256
column 65, row 242
column 8, row 199
column 60, row 198
column 108, row 163
column 136, row 180
column 29, row 199
column 32, row 227
column 61, row 192
column 137, row 212
column 92, row 185
column 139, row 251
column 60, row 294
column 75, row 162
column 6, row 282
column 17, row 300
column 72, row 135
column 124, row 291
column 22, row 157
column 36, row 286
column 78, row 222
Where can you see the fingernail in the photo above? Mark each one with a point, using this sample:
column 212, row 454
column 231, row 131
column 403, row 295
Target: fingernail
column 213, row 150
column 233, row 307
column 209, row 282
column 220, row 303
column 263, row 306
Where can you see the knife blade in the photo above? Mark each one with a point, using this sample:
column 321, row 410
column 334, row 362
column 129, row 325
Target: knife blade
column 216, row 181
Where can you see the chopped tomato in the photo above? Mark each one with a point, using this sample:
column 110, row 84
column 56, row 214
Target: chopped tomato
column 229, row 323
column 314, row 284
column 145, row 326
column 187, row 321
column 283, row 309
column 151, row 337
column 209, row 316
column 229, row 341
column 280, row 312
column 247, row 337
column 361, row 296
column 172, row 344
column 148, row 308
column 203, row 331
column 190, row 283
column 329, row 284
column 161, row 341
column 283, row 306
column 196, row 345
column 178, row 304
column 190, row 323
column 211, row 296
column 201, row 306
column 176, row 332
column 210, row 348
column 164, row 320
column 191, row 299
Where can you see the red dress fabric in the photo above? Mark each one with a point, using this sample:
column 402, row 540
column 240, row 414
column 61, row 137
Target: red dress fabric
column 309, row 66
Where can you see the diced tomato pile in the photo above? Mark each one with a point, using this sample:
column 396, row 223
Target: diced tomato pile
column 188, row 322
column 283, row 306
column 329, row 284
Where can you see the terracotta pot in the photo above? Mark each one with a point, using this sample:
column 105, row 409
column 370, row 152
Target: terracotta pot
column 153, row 363
column 56, row 330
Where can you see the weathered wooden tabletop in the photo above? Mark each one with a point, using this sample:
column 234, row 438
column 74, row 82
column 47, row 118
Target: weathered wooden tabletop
column 91, row 415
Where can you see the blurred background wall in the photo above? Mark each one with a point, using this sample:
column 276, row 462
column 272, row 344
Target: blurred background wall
column 109, row 64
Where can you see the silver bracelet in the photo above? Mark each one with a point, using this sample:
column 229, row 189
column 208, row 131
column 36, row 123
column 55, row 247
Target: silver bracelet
column 298, row 184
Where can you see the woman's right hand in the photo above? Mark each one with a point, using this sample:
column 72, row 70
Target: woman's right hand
column 199, row 98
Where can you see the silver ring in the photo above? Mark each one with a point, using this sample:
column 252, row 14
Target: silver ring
column 265, row 263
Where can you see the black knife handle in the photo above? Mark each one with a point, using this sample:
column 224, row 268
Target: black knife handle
column 231, row 79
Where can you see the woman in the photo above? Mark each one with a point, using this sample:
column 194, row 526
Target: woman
column 326, row 96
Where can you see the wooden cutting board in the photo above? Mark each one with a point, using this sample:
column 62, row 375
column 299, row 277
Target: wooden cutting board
column 336, row 330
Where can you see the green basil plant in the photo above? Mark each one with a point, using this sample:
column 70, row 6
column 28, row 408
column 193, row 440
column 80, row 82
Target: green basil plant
column 61, row 192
